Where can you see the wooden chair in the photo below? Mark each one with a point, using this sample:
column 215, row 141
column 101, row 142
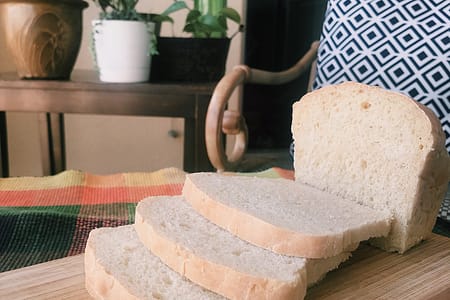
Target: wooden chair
column 220, row 121
column 401, row 46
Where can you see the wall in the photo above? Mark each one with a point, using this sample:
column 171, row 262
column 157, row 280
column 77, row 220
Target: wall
column 107, row 144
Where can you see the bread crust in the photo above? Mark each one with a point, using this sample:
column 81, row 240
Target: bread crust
column 415, row 219
column 215, row 277
column 99, row 283
column 268, row 236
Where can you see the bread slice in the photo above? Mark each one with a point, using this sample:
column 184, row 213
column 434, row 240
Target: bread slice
column 282, row 215
column 217, row 260
column 375, row 147
column 118, row 266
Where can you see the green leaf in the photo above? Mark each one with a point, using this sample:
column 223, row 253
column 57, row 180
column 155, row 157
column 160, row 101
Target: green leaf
column 217, row 35
column 103, row 4
column 189, row 28
column 162, row 18
column 204, row 28
column 223, row 22
column 129, row 4
column 176, row 6
column 212, row 23
column 231, row 14
column 200, row 34
column 192, row 16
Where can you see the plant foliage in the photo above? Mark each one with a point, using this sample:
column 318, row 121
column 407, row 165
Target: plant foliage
column 118, row 9
column 124, row 10
column 207, row 18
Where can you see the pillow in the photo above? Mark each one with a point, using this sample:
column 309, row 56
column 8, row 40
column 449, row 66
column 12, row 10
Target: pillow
column 399, row 45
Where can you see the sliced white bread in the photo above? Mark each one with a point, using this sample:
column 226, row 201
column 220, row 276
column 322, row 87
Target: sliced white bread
column 374, row 147
column 219, row 261
column 282, row 215
column 118, row 266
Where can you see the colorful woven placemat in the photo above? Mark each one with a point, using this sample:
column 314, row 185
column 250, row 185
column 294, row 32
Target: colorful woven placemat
column 45, row 218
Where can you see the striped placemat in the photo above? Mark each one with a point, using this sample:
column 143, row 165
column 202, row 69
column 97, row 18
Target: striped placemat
column 45, row 218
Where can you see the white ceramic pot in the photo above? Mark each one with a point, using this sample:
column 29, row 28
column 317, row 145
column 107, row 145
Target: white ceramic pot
column 122, row 50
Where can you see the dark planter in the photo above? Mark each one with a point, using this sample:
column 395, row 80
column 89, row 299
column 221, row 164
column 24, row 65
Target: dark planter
column 189, row 59
column 43, row 36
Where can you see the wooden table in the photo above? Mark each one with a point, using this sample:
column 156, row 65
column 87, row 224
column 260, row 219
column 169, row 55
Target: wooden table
column 421, row 273
column 85, row 94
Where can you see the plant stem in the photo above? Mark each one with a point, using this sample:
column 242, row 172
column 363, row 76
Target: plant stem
column 211, row 7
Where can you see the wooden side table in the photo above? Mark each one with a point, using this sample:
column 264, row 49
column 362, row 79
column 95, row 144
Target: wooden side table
column 85, row 94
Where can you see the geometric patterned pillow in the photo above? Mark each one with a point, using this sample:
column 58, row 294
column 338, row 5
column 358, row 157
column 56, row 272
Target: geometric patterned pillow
column 401, row 45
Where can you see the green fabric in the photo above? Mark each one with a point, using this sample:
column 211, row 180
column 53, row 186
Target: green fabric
column 31, row 235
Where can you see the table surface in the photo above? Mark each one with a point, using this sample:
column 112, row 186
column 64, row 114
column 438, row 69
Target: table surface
column 421, row 273
column 84, row 93
column 90, row 77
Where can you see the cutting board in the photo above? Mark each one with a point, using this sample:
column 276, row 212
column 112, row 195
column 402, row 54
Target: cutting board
column 422, row 273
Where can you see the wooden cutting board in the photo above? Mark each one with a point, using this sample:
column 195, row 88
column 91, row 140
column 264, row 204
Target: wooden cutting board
column 421, row 273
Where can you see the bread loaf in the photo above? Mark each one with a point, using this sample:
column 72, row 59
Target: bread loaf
column 377, row 148
column 217, row 260
column 284, row 216
column 118, row 266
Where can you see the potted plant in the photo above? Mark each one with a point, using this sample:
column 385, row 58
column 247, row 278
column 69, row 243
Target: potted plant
column 123, row 42
column 202, row 56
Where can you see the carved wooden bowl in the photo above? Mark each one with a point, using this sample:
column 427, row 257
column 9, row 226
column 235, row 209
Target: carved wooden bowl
column 43, row 36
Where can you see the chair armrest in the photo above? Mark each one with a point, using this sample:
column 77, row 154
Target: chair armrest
column 219, row 121
column 273, row 78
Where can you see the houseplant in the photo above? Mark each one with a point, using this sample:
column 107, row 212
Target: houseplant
column 123, row 42
column 202, row 56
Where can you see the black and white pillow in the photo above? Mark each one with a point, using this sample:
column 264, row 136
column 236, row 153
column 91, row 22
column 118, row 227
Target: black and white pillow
column 401, row 45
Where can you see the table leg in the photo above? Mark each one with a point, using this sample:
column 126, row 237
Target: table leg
column 189, row 145
column 57, row 140
column 4, row 161
column 52, row 143
column 195, row 155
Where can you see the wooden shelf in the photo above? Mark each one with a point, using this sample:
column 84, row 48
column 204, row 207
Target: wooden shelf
column 85, row 94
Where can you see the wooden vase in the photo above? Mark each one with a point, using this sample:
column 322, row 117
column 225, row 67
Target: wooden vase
column 43, row 36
